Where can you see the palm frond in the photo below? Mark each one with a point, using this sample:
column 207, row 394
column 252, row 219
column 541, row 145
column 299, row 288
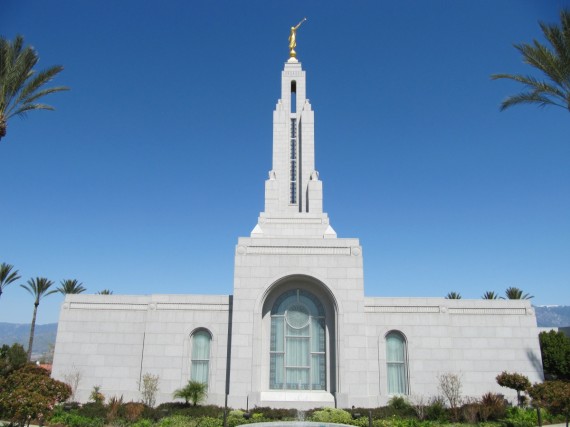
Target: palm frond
column 7, row 276
column 26, row 102
column 28, row 92
column 39, row 288
column 20, row 84
column 25, row 108
column 555, row 37
column 71, row 286
column 553, row 62
column 528, row 98
column 532, row 83
column 490, row 295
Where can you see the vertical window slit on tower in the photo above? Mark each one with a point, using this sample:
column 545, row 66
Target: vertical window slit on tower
column 293, row 96
column 293, row 162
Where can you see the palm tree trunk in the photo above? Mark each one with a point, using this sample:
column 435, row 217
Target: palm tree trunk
column 32, row 329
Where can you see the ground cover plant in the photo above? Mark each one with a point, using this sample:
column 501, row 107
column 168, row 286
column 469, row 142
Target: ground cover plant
column 488, row 411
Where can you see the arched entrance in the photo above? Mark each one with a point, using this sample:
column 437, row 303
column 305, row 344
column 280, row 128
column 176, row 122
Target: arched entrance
column 299, row 337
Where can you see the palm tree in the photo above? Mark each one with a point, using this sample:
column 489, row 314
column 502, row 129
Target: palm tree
column 490, row 295
column 20, row 84
column 553, row 62
column 194, row 391
column 105, row 292
column 39, row 288
column 7, row 276
column 453, row 295
column 516, row 293
column 69, row 286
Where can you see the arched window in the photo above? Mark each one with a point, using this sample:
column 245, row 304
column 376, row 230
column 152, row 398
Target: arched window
column 200, row 360
column 396, row 363
column 298, row 345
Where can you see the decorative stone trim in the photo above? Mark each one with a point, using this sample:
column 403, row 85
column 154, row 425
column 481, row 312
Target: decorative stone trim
column 298, row 250
column 107, row 306
column 293, row 221
column 486, row 311
column 400, row 309
column 192, row 306
column 293, row 73
column 144, row 307
column 443, row 309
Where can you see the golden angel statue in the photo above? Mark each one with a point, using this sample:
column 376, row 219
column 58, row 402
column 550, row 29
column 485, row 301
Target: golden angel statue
column 293, row 39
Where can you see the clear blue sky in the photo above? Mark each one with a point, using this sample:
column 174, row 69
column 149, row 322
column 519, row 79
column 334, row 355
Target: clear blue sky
column 154, row 163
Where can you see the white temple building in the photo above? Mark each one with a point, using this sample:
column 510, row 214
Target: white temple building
column 297, row 330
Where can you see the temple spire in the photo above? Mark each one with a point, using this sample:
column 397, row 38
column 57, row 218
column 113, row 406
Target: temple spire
column 293, row 190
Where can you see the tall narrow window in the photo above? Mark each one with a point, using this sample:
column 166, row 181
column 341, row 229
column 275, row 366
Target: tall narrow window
column 298, row 344
column 293, row 96
column 293, row 162
column 396, row 363
column 200, row 356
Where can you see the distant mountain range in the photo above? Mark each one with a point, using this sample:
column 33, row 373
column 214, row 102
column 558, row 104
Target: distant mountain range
column 44, row 336
column 10, row 333
column 552, row 315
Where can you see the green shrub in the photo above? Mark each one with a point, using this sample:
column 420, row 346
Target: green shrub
column 489, row 424
column 518, row 417
column 400, row 407
column 92, row 410
column 236, row 418
column 332, row 415
column 209, row 422
column 276, row 413
column 143, row 423
column 436, row 410
column 179, row 408
column 72, row 419
column 176, row 421
column 360, row 421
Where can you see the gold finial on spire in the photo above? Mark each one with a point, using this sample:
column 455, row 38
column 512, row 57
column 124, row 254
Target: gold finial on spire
column 293, row 39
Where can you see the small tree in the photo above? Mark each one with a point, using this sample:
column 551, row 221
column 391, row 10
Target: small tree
column 555, row 351
column 29, row 393
column 515, row 381
column 419, row 403
column 148, row 387
column 12, row 358
column 38, row 288
column 554, row 396
column 72, row 378
column 194, row 391
column 96, row 395
column 450, row 387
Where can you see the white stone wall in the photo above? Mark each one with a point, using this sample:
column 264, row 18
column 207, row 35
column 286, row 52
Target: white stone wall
column 331, row 269
column 476, row 339
column 112, row 340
